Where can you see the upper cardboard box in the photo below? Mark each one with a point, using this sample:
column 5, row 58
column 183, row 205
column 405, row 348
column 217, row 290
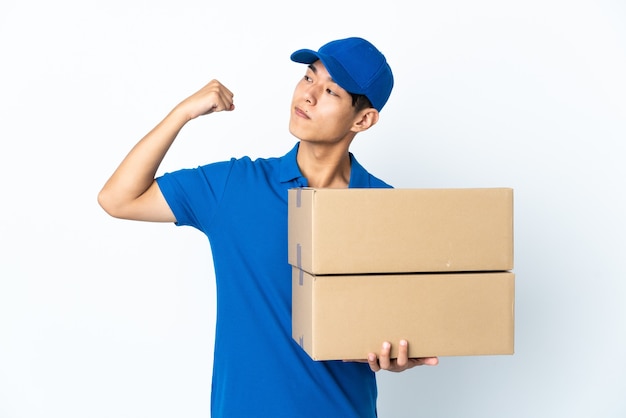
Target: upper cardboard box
column 355, row 231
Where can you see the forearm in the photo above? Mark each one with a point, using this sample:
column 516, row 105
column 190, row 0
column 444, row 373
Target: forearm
column 137, row 171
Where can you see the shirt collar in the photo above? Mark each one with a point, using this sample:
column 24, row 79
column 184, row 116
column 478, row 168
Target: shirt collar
column 359, row 177
column 289, row 170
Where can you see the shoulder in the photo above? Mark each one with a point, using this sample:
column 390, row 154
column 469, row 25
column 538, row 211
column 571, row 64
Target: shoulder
column 377, row 183
column 362, row 178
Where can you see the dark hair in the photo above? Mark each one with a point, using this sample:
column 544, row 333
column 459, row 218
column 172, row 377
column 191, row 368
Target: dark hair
column 360, row 102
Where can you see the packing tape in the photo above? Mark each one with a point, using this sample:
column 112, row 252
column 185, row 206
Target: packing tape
column 299, row 256
column 299, row 263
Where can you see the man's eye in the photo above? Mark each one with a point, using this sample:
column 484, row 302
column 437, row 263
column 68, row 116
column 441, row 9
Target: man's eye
column 329, row 91
column 307, row 78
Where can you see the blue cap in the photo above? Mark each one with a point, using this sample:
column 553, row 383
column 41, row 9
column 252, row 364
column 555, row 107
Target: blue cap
column 356, row 65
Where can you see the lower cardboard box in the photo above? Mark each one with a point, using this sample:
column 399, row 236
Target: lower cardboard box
column 341, row 317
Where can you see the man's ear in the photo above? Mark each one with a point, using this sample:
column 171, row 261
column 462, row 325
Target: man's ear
column 366, row 118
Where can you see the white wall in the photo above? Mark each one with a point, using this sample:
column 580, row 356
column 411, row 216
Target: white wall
column 107, row 318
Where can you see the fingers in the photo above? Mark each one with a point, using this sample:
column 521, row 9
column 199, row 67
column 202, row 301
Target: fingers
column 401, row 362
column 385, row 356
column 428, row 361
column 220, row 97
column 213, row 97
column 373, row 362
column 403, row 354
column 382, row 362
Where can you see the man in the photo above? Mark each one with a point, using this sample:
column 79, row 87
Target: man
column 241, row 205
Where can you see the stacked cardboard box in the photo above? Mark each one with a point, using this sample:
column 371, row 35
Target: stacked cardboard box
column 432, row 266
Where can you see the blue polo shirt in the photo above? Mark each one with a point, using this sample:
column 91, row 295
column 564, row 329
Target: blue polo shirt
column 258, row 369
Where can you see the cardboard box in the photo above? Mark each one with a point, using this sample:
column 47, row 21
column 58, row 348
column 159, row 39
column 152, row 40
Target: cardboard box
column 348, row 231
column 448, row 314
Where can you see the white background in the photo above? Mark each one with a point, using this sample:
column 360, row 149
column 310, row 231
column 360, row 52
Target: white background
column 107, row 318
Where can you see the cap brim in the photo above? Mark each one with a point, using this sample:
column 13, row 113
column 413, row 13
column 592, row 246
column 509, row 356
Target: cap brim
column 305, row 56
column 336, row 71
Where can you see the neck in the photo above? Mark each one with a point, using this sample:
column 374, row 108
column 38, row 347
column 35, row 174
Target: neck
column 324, row 166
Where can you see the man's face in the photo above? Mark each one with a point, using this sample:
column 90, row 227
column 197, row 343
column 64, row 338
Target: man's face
column 321, row 111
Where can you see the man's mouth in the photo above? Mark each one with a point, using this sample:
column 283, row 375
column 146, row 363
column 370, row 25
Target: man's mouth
column 301, row 113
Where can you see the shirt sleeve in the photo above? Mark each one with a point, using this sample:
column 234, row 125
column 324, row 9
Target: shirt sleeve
column 194, row 194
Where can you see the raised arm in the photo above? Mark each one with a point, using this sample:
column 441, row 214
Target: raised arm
column 132, row 192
